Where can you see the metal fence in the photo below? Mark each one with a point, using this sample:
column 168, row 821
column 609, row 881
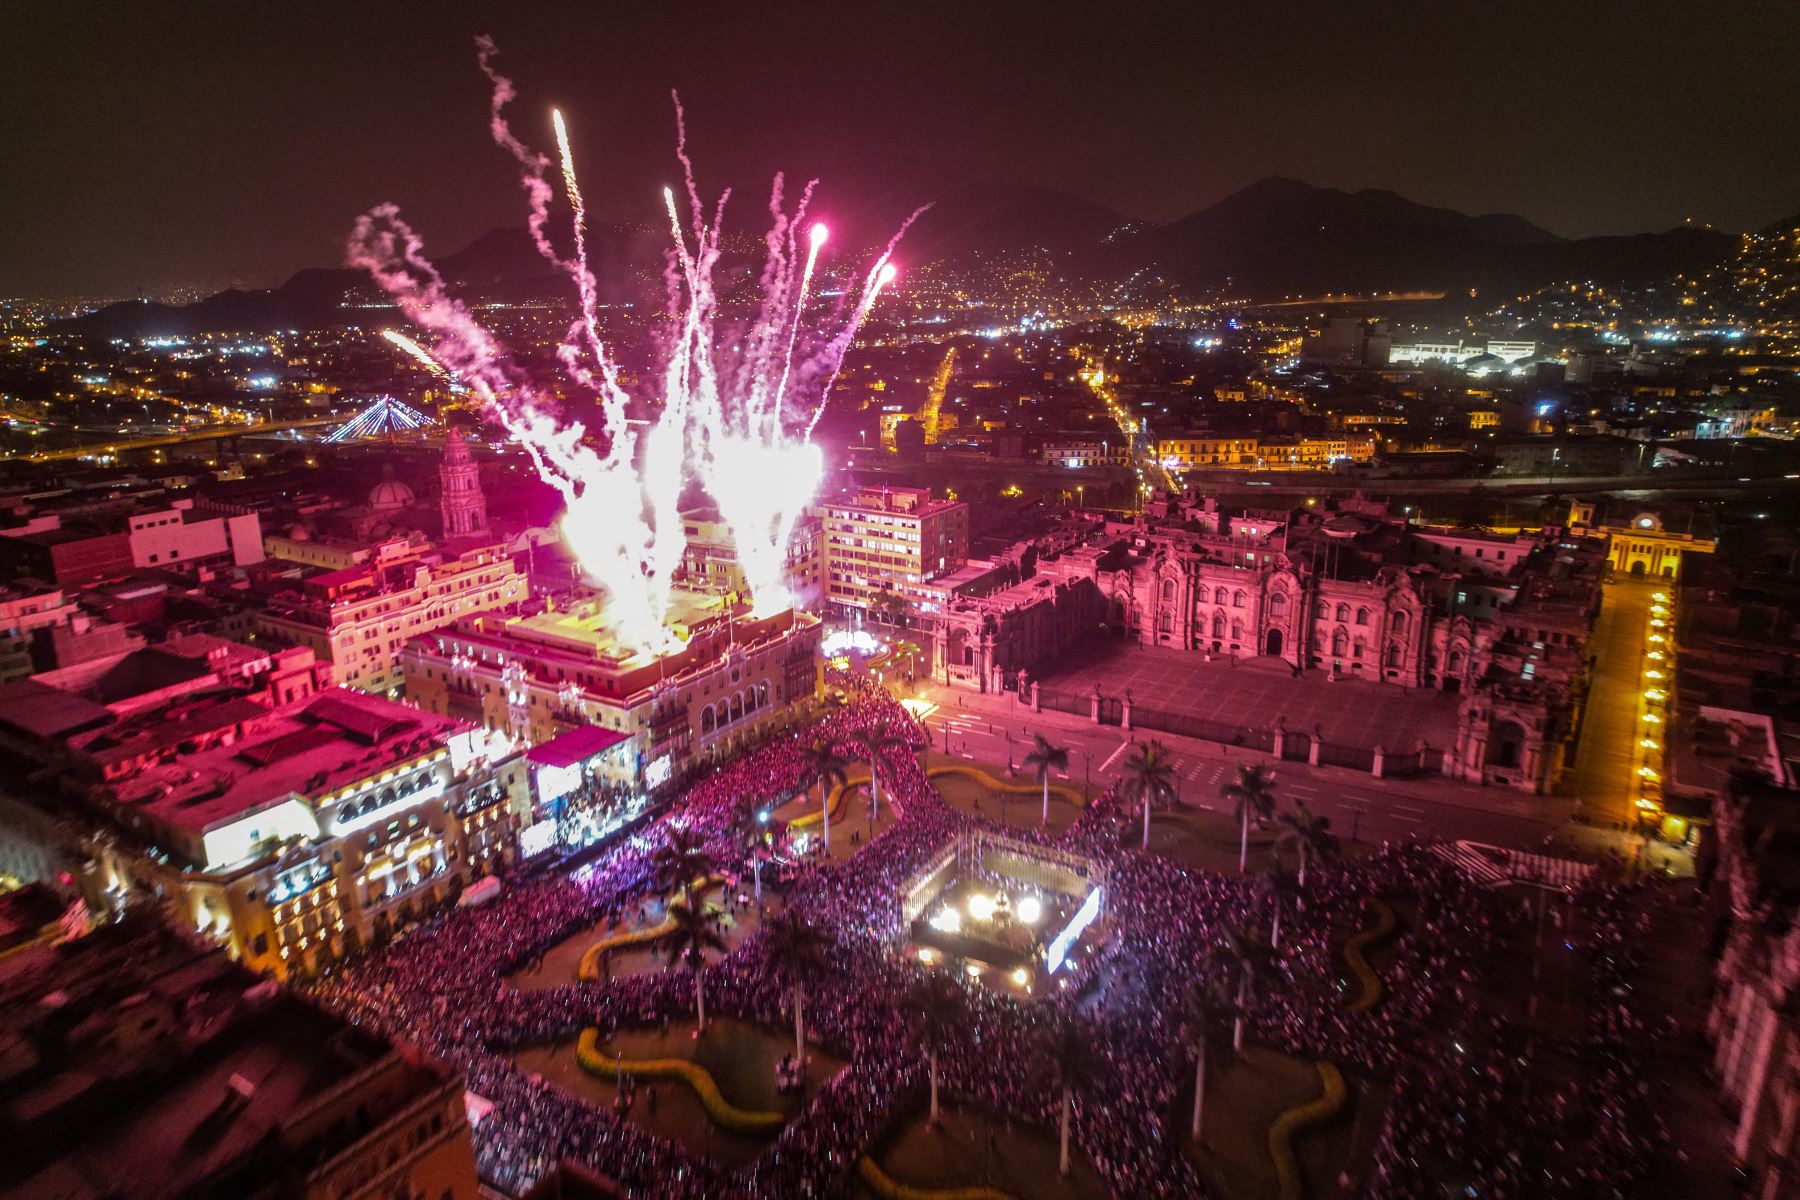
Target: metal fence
column 1354, row 757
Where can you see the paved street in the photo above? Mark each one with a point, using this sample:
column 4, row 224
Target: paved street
column 1605, row 757
column 1254, row 692
column 977, row 727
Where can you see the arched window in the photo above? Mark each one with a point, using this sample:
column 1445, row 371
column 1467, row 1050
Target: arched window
column 1165, row 621
column 1340, row 642
column 1219, row 596
column 1356, row 650
column 1278, row 604
column 1456, row 661
column 1343, row 612
column 1218, row 624
column 1323, row 612
column 1237, row 599
column 1396, row 655
column 1399, row 622
column 762, row 694
column 1168, row 589
column 737, row 708
column 1362, row 616
column 749, row 700
column 1237, row 630
column 707, row 724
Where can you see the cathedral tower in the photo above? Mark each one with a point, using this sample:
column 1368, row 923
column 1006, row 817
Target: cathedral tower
column 465, row 508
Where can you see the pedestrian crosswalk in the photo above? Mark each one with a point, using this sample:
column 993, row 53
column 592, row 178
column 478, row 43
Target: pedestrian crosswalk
column 1496, row 866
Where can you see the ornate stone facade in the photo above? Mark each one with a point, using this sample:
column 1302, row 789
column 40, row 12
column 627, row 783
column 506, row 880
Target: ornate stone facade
column 464, row 506
column 1351, row 592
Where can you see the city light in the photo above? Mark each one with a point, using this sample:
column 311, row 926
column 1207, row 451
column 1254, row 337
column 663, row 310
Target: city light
column 981, row 907
column 1031, row 910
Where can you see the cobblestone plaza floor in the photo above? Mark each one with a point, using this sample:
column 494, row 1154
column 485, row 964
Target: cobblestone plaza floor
column 1254, row 692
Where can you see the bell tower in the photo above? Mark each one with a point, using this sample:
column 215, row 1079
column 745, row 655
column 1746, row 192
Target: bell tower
column 464, row 507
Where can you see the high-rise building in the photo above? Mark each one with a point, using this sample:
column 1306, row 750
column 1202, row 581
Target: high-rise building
column 464, row 506
column 889, row 539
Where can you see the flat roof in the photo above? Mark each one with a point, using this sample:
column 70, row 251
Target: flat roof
column 309, row 747
column 89, row 1128
column 576, row 746
column 46, row 712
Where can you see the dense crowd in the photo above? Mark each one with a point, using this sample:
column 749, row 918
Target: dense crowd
column 1166, row 932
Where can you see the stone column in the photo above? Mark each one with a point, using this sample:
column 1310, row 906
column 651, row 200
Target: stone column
column 1280, row 738
column 1094, row 706
column 1312, row 752
column 1036, row 702
column 1125, row 716
column 1380, row 763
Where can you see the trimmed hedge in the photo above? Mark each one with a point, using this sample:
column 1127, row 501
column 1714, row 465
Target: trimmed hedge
column 813, row 817
column 1070, row 794
column 1281, row 1133
column 1372, row 991
column 723, row 1112
column 888, row 1188
column 588, row 969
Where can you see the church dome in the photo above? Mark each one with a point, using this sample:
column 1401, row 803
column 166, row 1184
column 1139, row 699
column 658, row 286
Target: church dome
column 390, row 495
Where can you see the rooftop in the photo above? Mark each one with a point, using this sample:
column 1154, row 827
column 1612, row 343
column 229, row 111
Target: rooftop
column 307, row 748
column 136, row 1063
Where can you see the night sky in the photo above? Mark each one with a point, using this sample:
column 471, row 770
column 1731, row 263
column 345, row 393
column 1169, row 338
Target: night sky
column 144, row 146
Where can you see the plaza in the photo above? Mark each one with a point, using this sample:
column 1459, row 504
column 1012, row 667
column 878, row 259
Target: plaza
column 1318, row 1026
column 1255, row 694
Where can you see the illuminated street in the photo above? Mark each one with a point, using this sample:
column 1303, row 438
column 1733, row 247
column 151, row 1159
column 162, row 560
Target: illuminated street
column 1603, row 778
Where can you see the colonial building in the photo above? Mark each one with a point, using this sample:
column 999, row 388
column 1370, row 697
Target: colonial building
column 1642, row 546
column 358, row 618
column 1350, row 592
column 532, row 677
column 287, row 820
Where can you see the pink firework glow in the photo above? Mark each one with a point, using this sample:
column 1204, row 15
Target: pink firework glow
column 734, row 412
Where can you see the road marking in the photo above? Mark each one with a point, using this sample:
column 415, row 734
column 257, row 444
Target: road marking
column 1111, row 758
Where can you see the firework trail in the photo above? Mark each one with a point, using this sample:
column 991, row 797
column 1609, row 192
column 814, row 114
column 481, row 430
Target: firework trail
column 720, row 413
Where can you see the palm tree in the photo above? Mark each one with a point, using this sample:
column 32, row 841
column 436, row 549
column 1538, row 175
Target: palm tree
column 825, row 764
column 1310, row 837
column 1150, row 776
column 1253, row 795
column 1069, row 1060
column 1202, row 1011
column 878, row 745
column 1272, row 885
column 693, row 931
column 1043, row 759
column 1254, row 963
column 751, row 831
column 934, row 1011
column 795, row 951
column 681, row 862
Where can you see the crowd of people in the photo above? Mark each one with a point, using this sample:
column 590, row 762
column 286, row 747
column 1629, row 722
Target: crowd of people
column 1167, row 933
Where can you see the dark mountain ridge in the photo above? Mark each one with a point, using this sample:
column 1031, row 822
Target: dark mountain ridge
column 1278, row 237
